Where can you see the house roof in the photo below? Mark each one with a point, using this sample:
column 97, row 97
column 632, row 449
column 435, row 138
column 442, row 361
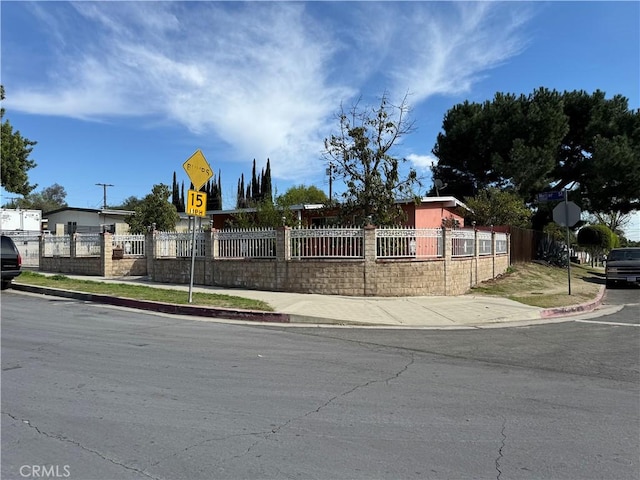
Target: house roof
column 98, row 211
column 449, row 202
column 306, row 206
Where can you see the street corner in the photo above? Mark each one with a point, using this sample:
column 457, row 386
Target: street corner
column 575, row 309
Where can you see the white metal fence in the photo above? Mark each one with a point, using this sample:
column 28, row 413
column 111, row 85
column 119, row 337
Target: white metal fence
column 327, row 243
column 409, row 243
column 484, row 243
column 57, row 246
column 501, row 243
column 132, row 245
column 178, row 244
column 462, row 243
column 88, row 245
column 246, row 243
column 261, row 243
column 28, row 244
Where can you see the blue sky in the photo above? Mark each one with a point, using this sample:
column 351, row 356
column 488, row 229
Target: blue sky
column 124, row 92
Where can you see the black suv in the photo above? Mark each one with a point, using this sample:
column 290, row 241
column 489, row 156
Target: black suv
column 11, row 261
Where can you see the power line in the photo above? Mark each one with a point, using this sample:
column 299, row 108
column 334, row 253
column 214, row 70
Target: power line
column 104, row 186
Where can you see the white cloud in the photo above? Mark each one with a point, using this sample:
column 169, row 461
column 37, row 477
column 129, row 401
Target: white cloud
column 263, row 78
column 445, row 52
column 422, row 163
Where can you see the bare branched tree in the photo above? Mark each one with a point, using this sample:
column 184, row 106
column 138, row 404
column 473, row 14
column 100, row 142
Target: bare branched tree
column 361, row 154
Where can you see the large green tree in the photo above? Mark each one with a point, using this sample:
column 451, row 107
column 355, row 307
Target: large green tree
column 544, row 141
column 47, row 200
column 15, row 162
column 300, row 195
column 362, row 154
column 129, row 203
column 154, row 210
column 498, row 207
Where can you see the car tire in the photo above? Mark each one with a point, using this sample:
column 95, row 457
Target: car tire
column 5, row 284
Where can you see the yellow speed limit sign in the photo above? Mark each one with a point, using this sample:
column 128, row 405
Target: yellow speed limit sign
column 197, row 203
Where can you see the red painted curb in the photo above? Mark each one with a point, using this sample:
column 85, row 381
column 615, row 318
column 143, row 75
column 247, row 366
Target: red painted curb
column 171, row 308
column 573, row 309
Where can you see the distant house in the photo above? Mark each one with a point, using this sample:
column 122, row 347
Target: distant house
column 67, row 220
column 429, row 212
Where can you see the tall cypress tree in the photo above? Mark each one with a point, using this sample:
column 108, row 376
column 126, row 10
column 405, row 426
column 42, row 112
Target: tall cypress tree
column 267, row 192
column 175, row 194
column 219, row 191
column 241, row 199
column 255, row 185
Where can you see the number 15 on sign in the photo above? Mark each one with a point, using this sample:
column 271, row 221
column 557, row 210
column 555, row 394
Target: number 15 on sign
column 197, row 203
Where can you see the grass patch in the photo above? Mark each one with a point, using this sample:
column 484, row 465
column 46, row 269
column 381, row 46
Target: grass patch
column 544, row 286
column 141, row 292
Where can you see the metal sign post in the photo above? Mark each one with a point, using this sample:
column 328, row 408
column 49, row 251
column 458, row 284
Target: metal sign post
column 193, row 259
column 199, row 173
column 566, row 215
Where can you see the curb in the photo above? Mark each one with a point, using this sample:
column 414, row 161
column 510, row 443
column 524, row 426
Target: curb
column 574, row 309
column 172, row 308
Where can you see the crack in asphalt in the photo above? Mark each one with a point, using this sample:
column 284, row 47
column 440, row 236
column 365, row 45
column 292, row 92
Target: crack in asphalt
column 344, row 394
column 502, row 445
column 62, row 438
column 264, row 435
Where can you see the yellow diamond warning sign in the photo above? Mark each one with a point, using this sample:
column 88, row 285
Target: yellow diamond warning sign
column 198, row 170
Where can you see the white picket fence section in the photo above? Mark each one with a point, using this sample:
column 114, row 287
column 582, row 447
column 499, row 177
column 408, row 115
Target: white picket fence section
column 333, row 242
column 484, row 243
column 132, row 245
column 406, row 242
column 57, row 246
column 28, row 244
column 463, row 243
column 246, row 243
column 88, row 245
column 178, row 244
column 501, row 243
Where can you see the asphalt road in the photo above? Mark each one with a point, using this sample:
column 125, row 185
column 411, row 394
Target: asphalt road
column 94, row 392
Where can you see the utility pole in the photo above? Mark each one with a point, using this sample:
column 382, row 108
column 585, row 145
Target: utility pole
column 104, row 186
column 330, row 173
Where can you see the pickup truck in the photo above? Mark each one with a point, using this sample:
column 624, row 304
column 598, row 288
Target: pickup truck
column 623, row 266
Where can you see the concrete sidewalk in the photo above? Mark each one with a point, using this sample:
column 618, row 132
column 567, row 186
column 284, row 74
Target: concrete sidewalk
column 427, row 311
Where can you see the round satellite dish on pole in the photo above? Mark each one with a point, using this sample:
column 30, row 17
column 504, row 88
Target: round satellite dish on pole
column 437, row 183
column 566, row 215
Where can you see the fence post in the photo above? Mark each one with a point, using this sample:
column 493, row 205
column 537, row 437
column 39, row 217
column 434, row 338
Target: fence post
column 73, row 238
column 369, row 252
column 209, row 255
column 106, row 254
column 150, row 252
column 283, row 244
column 41, row 251
column 476, row 255
column 493, row 253
column 215, row 244
column 447, row 250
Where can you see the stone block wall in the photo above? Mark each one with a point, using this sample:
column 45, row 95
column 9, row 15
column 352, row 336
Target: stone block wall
column 72, row 266
column 366, row 276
